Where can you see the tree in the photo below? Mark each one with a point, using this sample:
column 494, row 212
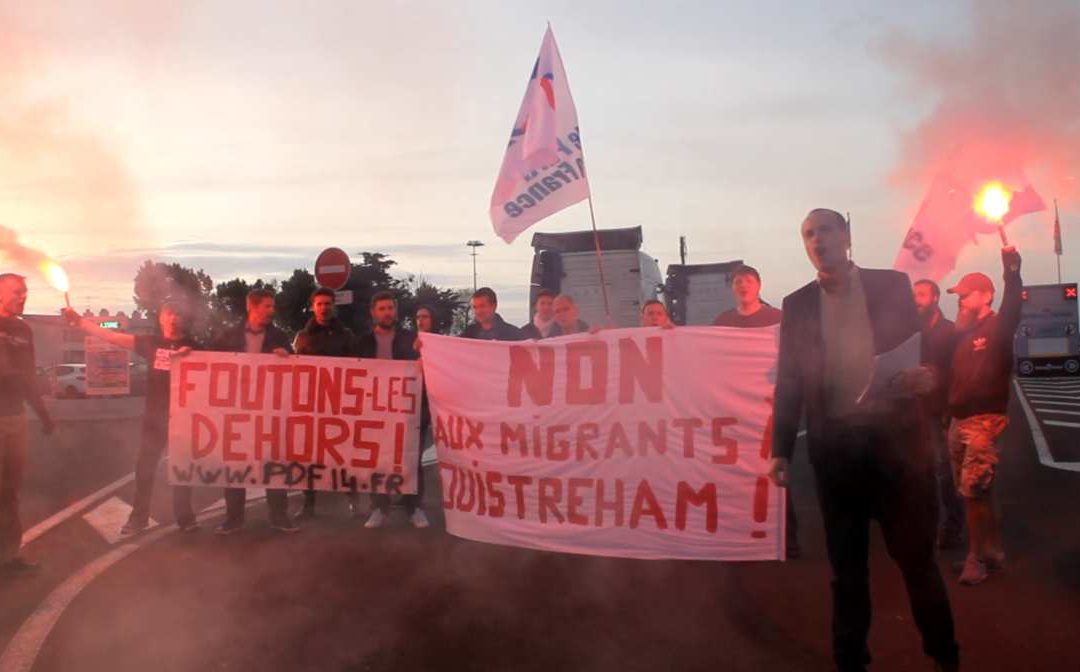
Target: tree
column 156, row 283
column 447, row 304
column 292, row 300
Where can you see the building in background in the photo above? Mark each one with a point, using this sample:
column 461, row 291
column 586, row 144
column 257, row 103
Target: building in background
column 58, row 345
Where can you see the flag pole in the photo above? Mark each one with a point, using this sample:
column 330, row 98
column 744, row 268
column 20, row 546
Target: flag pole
column 1057, row 240
column 599, row 258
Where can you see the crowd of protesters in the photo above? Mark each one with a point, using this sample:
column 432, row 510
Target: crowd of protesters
column 921, row 460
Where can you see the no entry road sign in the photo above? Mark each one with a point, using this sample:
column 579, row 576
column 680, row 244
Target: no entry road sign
column 332, row 268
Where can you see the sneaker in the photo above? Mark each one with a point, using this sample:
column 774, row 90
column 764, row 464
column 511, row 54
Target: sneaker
column 419, row 519
column 19, row 565
column 229, row 527
column 974, row 571
column 284, row 524
column 376, row 519
column 188, row 526
column 132, row 527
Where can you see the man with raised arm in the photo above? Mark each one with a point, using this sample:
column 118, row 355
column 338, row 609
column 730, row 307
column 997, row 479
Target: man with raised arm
column 172, row 340
column 981, row 377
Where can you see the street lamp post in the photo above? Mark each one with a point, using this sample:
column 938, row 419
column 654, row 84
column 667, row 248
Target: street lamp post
column 474, row 244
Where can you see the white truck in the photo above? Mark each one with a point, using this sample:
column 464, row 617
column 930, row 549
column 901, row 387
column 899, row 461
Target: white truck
column 565, row 263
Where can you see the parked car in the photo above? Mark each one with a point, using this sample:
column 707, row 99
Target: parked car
column 69, row 381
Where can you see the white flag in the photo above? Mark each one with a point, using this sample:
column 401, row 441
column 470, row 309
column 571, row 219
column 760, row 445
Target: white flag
column 544, row 169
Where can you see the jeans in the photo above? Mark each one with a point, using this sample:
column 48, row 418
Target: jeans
column 13, row 452
column 155, row 438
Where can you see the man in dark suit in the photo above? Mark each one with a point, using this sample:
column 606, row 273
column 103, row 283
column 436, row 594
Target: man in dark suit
column 257, row 334
column 387, row 340
column 869, row 459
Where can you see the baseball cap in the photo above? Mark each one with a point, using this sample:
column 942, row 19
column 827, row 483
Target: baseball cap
column 972, row 282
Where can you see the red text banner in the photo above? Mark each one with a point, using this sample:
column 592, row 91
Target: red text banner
column 642, row 443
column 321, row 423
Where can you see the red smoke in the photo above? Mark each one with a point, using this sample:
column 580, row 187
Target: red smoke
column 1009, row 86
column 58, row 178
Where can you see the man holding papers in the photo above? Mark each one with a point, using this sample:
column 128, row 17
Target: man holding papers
column 865, row 440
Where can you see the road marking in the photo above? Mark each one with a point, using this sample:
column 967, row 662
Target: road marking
column 1057, row 403
column 1059, row 411
column 61, row 516
column 1041, row 447
column 109, row 516
column 23, row 648
column 1062, row 423
column 1049, row 390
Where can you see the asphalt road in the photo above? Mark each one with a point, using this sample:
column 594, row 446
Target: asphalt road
column 339, row 597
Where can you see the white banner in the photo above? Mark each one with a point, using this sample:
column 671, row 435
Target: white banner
column 642, row 443
column 320, row 423
column 543, row 170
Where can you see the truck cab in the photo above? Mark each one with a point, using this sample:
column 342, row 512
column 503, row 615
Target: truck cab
column 1047, row 342
column 565, row 263
column 697, row 293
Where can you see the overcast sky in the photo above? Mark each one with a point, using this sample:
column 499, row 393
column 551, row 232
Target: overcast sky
column 242, row 137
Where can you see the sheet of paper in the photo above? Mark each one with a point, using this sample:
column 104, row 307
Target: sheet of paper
column 886, row 365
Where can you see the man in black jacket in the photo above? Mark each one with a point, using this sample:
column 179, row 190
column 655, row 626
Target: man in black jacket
column 256, row 335
column 567, row 317
column 979, row 403
column 937, row 349
column 489, row 325
column 543, row 316
column 327, row 336
column 868, row 457
column 18, row 388
column 387, row 340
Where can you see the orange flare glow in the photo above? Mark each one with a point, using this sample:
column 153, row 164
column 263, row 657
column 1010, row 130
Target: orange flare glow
column 54, row 275
column 992, row 202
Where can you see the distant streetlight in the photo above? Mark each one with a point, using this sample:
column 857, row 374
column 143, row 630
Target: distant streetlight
column 474, row 244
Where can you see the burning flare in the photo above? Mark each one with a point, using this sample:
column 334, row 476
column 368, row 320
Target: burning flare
column 992, row 201
column 55, row 275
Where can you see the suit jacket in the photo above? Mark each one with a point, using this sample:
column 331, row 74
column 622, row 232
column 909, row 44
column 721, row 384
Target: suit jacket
column 233, row 340
column 404, row 340
column 403, row 348
column 801, row 365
